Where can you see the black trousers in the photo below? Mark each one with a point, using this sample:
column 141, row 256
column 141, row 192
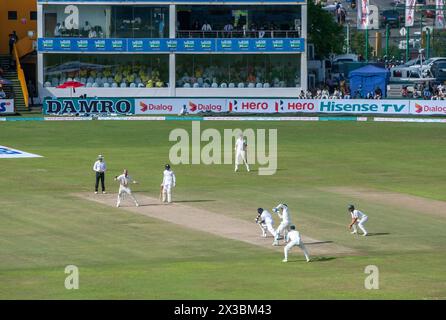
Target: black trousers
column 100, row 176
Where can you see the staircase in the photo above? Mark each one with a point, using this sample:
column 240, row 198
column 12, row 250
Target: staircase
column 394, row 91
column 15, row 90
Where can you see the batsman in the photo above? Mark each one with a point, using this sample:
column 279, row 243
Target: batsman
column 168, row 183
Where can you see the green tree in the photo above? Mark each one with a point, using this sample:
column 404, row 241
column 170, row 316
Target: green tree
column 438, row 43
column 323, row 31
column 358, row 44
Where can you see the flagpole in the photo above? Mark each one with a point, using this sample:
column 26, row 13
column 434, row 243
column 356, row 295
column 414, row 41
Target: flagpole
column 407, row 43
column 367, row 44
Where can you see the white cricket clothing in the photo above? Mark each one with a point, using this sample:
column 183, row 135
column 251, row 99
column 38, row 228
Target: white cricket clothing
column 293, row 238
column 169, row 181
column 362, row 218
column 286, row 221
column 240, row 154
column 268, row 222
column 168, row 178
column 240, row 145
column 285, row 215
column 358, row 214
column 99, row 166
column 267, row 217
column 124, row 181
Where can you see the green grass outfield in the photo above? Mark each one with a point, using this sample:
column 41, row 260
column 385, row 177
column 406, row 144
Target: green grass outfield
column 121, row 255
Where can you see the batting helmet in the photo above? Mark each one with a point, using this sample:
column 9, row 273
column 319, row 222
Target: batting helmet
column 351, row 207
column 293, row 227
column 167, row 167
column 260, row 210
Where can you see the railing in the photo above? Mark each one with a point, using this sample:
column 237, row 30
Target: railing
column 238, row 34
column 21, row 76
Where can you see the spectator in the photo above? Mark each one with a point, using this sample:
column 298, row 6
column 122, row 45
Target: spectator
column 31, row 92
column 378, row 93
column 206, row 26
column 13, row 38
column 228, row 29
column 2, row 93
column 87, row 27
column 196, row 25
column 57, row 30
column 92, row 33
column 161, row 28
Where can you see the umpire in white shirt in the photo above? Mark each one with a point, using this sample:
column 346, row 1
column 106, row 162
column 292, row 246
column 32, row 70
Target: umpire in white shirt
column 99, row 167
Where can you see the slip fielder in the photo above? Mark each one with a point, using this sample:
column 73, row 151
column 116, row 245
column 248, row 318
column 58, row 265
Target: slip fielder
column 124, row 180
column 284, row 224
column 240, row 152
column 169, row 181
column 358, row 218
column 265, row 220
column 293, row 239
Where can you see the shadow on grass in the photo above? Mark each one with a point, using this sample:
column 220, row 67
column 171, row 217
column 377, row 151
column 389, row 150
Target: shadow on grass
column 317, row 242
column 184, row 201
column 313, row 259
column 370, row 234
column 322, row 259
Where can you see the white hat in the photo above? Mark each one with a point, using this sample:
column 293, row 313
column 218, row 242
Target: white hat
column 100, row 156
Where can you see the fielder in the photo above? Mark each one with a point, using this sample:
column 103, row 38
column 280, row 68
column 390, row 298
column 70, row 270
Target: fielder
column 265, row 220
column 169, row 181
column 240, row 152
column 358, row 218
column 293, row 239
column 286, row 222
column 124, row 181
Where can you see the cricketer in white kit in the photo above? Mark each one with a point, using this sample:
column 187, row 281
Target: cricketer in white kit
column 265, row 220
column 169, row 181
column 358, row 218
column 284, row 224
column 124, row 180
column 240, row 153
column 293, row 239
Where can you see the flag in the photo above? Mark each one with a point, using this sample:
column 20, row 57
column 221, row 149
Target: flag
column 363, row 15
column 410, row 12
column 439, row 14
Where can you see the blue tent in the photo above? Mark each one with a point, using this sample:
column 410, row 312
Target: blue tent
column 366, row 79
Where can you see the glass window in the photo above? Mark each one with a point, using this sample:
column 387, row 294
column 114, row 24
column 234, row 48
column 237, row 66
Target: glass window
column 12, row 15
column 96, row 21
column 239, row 21
column 241, row 71
column 107, row 70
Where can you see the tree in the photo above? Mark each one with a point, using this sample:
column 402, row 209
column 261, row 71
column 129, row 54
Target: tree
column 358, row 44
column 438, row 43
column 323, row 31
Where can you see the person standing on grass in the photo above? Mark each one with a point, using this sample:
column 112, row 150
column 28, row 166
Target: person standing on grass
column 358, row 219
column 293, row 239
column 100, row 167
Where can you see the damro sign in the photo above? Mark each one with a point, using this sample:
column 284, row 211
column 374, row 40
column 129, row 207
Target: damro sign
column 90, row 106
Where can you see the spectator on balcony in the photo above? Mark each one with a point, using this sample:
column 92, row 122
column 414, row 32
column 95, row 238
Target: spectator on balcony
column 161, row 28
column 206, row 26
column 196, row 25
column 92, row 33
column 228, row 28
column 57, row 30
